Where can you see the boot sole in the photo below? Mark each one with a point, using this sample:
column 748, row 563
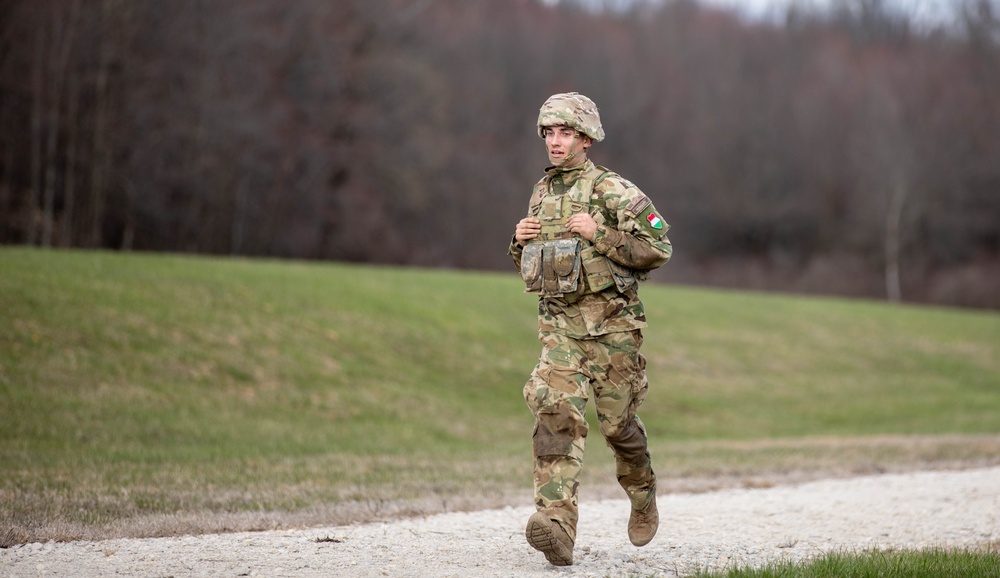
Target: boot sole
column 541, row 536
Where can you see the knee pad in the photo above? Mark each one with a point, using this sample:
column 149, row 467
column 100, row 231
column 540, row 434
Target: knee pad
column 628, row 440
column 556, row 429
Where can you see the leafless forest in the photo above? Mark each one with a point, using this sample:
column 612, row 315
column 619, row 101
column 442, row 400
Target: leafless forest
column 853, row 151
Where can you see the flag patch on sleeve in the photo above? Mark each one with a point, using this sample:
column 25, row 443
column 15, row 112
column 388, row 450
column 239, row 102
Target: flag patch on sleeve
column 654, row 221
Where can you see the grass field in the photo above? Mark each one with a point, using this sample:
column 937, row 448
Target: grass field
column 154, row 394
column 934, row 563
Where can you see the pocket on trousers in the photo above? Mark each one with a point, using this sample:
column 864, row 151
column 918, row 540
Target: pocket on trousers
column 628, row 366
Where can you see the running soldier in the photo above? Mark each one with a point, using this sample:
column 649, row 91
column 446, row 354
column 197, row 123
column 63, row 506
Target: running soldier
column 589, row 238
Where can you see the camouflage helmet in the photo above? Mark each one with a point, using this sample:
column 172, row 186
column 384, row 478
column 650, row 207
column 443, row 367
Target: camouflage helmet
column 573, row 110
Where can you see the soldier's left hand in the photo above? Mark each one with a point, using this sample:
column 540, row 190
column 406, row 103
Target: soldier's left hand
column 582, row 224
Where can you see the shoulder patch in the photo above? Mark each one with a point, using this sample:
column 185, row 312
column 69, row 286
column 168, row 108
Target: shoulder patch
column 650, row 220
column 654, row 220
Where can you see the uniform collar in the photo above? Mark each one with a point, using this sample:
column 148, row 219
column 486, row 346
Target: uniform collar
column 570, row 173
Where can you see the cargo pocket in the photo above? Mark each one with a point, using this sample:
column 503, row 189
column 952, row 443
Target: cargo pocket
column 531, row 267
column 624, row 372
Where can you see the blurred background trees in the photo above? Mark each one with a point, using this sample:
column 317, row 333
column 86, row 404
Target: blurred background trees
column 852, row 150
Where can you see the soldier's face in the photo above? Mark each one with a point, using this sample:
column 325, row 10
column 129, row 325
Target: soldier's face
column 565, row 145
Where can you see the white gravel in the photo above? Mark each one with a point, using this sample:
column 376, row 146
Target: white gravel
column 712, row 530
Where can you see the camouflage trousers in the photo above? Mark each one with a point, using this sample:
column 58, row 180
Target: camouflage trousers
column 557, row 392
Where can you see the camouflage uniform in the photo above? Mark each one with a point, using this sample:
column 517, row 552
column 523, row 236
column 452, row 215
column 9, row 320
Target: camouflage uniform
column 590, row 335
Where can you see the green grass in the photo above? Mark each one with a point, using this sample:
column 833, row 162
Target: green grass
column 137, row 385
column 935, row 563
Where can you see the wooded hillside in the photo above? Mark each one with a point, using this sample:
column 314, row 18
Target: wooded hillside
column 853, row 151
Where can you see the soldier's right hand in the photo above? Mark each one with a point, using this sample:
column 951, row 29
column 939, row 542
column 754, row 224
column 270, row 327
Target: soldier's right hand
column 527, row 229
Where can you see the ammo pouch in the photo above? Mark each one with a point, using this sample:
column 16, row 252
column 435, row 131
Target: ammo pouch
column 602, row 273
column 552, row 268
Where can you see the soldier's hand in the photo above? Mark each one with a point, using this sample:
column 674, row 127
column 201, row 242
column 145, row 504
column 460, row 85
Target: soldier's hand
column 582, row 224
column 527, row 229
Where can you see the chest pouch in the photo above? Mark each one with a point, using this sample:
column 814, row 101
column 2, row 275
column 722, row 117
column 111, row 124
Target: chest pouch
column 552, row 268
column 531, row 267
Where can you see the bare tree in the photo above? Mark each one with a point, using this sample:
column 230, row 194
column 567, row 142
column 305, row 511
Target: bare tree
column 401, row 131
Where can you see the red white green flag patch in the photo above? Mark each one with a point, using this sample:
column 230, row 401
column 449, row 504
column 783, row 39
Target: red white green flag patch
column 654, row 221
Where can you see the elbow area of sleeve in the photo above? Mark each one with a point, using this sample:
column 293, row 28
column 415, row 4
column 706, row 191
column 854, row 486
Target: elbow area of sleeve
column 608, row 239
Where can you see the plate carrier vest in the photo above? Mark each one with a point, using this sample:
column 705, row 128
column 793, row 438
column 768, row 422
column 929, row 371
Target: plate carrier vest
column 559, row 263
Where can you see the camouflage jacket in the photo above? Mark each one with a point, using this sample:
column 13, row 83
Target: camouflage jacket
column 630, row 232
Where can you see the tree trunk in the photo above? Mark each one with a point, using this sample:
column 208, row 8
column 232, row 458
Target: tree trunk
column 36, row 139
column 128, row 232
column 62, row 36
column 893, row 231
column 72, row 146
column 237, row 232
column 99, row 155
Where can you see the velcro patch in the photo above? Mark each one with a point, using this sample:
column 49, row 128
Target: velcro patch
column 638, row 204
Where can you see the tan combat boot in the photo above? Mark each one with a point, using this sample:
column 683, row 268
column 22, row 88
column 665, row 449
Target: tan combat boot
column 547, row 536
column 642, row 524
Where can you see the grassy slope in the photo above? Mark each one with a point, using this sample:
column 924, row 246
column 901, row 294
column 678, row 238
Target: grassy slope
column 139, row 384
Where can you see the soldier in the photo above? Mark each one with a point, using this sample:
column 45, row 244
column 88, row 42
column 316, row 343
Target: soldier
column 589, row 238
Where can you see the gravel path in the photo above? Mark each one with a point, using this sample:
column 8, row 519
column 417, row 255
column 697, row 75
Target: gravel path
column 712, row 530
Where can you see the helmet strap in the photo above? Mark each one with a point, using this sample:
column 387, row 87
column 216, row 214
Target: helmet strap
column 572, row 153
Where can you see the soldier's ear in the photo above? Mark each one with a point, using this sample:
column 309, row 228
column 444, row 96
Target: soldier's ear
column 587, row 141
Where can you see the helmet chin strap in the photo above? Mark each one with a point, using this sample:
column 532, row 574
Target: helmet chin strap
column 573, row 152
